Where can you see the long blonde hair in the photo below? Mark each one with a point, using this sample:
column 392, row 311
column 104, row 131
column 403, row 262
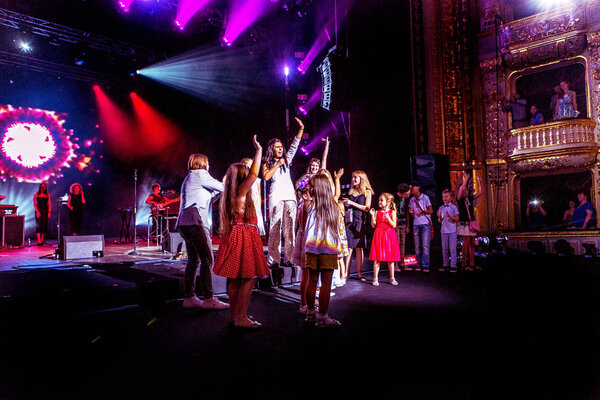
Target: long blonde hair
column 235, row 175
column 364, row 186
column 389, row 198
column 326, row 209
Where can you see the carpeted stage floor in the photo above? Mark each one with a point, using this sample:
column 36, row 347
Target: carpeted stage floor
column 528, row 326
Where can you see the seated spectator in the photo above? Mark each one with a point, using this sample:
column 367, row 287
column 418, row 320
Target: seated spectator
column 536, row 116
column 568, row 215
column 583, row 216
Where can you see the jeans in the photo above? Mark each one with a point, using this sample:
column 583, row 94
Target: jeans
column 401, row 235
column 199, row 249
column 449, row 246
column 422, row 235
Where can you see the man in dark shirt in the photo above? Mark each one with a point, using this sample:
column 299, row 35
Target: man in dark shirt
column 402, row 222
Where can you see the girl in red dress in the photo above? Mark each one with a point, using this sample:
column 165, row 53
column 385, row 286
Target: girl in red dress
column 384, row 246
column 240, row 257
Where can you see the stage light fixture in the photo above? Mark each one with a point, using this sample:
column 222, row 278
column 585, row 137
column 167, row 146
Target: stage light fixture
column 96, row 88
column 25, row 47
column 133, row 95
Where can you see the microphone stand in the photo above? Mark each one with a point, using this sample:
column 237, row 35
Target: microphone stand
column 135, row 252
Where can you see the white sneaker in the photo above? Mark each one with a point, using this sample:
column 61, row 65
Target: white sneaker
column 214, row 304
column 192, row 302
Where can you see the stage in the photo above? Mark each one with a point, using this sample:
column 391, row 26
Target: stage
column 524, row 327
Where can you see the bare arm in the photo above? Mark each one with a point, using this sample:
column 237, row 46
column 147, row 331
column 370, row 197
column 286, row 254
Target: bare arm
column 300, row 128
column 82, row 198
column 588, row 217
column 338, row 186
column 269, row 172
column 325, row 153
column 391, row 220
column 254, row 170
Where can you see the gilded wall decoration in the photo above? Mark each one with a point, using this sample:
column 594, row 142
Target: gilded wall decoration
column 545, row 25
column 550, row 51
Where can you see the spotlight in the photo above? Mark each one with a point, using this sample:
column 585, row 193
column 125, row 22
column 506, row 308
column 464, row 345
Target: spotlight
column 286, row 71
column 225, row 42
column 133, row 95
column 304, row 150
column 96, row 88
column 25, row 47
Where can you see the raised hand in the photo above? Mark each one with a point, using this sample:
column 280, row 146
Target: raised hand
column 338, row 174
column 299, row 121
column 257, row 145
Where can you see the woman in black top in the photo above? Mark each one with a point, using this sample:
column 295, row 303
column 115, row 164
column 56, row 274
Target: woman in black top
column 358, row 204
column 42, row 205
column 75, row 205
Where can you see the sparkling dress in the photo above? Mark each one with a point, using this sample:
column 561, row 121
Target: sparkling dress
column 565, row 106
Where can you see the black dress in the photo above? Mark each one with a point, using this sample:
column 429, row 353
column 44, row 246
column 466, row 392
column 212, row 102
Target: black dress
column 356, row 227
column 41, row 223
column 76, row 214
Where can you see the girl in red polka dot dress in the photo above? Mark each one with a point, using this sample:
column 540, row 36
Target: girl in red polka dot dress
column 240, row 257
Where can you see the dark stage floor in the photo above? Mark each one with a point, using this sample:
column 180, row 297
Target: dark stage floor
column 525, row 327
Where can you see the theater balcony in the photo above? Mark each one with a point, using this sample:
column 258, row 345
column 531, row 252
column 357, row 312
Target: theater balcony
column 553, row 145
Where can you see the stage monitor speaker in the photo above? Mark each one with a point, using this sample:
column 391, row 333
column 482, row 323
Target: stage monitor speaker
column 432, row 173
column 174, row 243
column 335, row 95
column 13, row 230
column 85, row 246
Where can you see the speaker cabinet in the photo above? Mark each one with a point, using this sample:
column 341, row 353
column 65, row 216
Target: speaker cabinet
column 13, row 230
column 334, row 69
column 432, row 173
column 174, row 243
column 84, row 246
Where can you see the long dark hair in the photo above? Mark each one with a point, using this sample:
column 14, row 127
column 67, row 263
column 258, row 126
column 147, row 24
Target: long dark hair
column 42, row 185
column 270, row 156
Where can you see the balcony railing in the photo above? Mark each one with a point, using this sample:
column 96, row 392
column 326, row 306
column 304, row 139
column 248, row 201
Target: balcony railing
column 560, row 136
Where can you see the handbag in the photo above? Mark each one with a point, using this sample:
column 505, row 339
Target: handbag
column 473, row 224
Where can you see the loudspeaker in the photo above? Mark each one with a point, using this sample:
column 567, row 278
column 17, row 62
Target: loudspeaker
column 174, row 243
column 13, row 230
column 432, row 173
column 84, row 246
column 334, row 80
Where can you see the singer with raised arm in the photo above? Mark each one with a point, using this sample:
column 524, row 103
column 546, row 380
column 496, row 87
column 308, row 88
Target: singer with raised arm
column 282, row 196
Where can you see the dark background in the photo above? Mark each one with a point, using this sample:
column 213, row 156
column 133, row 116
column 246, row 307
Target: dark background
column 373, row 33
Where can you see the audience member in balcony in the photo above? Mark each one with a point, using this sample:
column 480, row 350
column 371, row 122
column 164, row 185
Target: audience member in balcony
column 568, row 215
column 583, row 216
column 536, row 116
column 567, row 103
column 517, row 106
column 554, row 101
column 536, row 215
